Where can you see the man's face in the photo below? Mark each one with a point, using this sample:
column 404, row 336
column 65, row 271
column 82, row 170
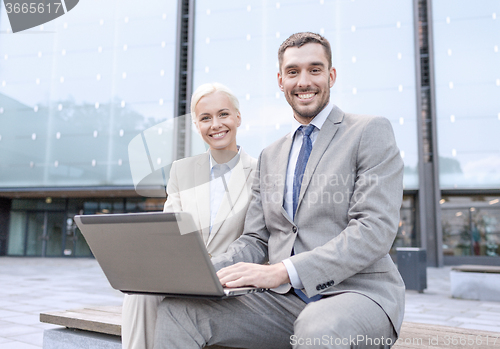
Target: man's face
column 306, row 80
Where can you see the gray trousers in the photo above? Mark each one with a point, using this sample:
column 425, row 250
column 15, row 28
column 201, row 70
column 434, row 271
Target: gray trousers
column 270, row 320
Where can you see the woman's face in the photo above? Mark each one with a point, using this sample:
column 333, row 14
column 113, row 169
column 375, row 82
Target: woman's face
column 217, row 121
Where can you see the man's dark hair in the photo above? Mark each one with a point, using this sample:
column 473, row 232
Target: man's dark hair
column 300, row 39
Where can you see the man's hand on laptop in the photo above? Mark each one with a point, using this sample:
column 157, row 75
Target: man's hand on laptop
column 251, row 274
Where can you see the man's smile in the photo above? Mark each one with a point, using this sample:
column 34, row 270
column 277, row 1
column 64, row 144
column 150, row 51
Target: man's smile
column 305, row 95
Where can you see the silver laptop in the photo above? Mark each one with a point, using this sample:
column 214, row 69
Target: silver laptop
column 154, row 253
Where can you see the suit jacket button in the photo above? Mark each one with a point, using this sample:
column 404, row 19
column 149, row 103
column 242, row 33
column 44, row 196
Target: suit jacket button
column 323, row 286
column 318, row 287
column 294, row 229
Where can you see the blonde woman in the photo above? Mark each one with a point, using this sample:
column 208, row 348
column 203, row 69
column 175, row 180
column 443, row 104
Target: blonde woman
column 213, row 187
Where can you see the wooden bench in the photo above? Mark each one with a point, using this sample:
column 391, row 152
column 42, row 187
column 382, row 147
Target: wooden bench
column 100, row 327
column 476, row 282
column 96, row 327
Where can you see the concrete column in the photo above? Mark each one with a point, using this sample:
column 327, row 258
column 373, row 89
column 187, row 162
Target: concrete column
column 429, row 211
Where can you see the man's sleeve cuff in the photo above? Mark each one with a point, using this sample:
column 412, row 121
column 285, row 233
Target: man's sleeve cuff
column 292, row 274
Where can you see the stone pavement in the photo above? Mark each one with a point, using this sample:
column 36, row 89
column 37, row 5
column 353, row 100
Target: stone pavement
column 29, row 286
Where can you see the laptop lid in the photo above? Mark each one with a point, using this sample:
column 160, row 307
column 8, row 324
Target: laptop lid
column 151, row 253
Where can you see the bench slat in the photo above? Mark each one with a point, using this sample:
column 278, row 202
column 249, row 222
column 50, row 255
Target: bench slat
column 88, row 319
column 107, row 319
column 103, row 310
column 477, row 268
column 418, row 336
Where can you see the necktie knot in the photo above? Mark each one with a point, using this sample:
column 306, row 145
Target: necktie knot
column 307, row 130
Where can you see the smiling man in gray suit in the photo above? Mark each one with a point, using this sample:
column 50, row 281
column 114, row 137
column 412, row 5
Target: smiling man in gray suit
column 324, row 213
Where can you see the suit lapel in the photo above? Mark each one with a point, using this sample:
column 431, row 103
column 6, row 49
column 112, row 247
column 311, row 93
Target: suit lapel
column 202, row 191
column 237, row 182
column 282, row 168
column 325, row 136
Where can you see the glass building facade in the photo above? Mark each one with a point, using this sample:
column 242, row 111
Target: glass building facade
column 467, row 82
column 77, row 91
column 374, row 57
column 466, row 42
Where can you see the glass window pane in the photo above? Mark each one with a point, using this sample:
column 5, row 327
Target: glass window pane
column 118, row 206
column 55, row 230
column 373, row 55
column 406, row 236
column 35, row 236
column 90, row 207
column 105, row 206
column 466, row 52
column 471, row 226
column 144, row 204
column 154, row 204
column 75, row 206
column 76, row 90
column 132, row 205
column 17, row 235
column 81, row 247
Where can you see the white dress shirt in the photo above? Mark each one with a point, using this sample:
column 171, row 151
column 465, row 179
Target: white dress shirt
column 297, row 137
column 218, row 183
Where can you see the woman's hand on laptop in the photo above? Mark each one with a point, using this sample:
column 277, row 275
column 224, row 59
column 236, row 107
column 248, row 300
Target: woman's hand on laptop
column 251, row 274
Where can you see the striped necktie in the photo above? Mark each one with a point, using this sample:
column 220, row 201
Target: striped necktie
column 300, row 167
column 305, row 151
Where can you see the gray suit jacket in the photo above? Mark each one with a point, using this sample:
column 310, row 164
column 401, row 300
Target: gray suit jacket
column 347, row 216
column 188, row 190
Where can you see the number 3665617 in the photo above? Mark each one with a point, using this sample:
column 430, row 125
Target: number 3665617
column 32, row 7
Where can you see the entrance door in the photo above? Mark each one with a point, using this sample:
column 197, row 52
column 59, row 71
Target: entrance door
column 44, row 233
column 55, row 234
column 35, row 232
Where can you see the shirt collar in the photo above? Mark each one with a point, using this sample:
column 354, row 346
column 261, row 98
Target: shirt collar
column 231, row 163
column 317, row 121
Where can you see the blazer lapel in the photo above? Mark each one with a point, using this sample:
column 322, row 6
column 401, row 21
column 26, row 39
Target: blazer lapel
column 282, row 168
column 325, row 136
column 237, row 182
column 202, row 191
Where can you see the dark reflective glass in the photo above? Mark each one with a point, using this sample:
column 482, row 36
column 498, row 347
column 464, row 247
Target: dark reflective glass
column 406, row 235
column 471, row 225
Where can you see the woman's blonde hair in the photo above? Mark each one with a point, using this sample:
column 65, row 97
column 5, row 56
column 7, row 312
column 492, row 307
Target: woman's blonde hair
column 207, row 89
